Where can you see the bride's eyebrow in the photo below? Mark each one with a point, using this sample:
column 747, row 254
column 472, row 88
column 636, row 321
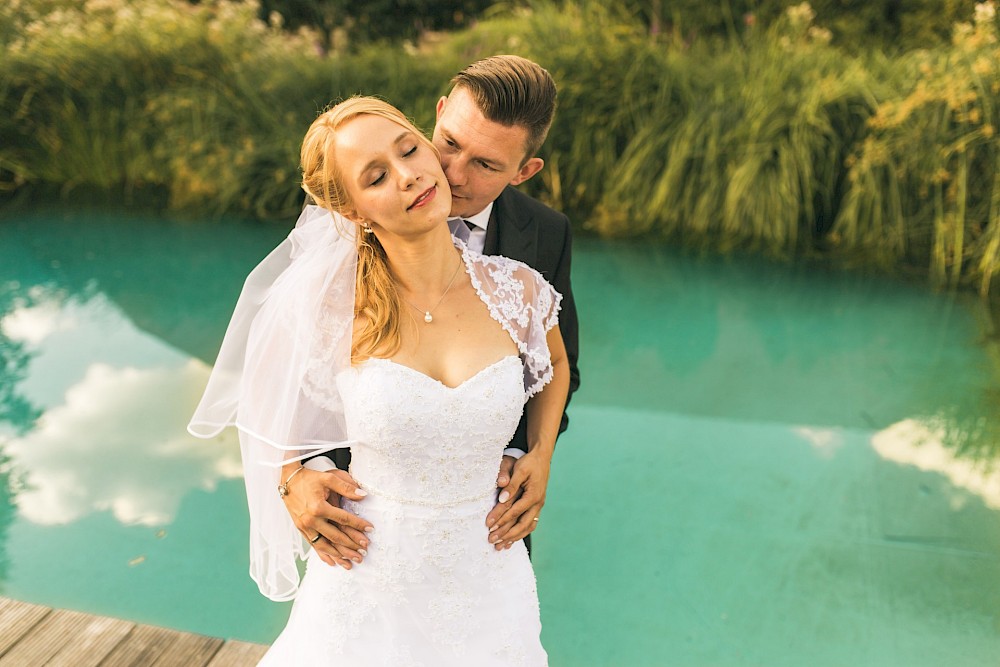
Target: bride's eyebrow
column 374, row 161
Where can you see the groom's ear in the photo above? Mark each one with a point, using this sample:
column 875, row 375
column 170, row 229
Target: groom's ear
column 527, row 170
column 440, row 107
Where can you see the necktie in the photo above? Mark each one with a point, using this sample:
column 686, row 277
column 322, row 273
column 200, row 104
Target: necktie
column 463, row 231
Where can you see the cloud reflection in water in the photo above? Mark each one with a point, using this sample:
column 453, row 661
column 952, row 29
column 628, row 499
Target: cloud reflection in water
column 111, row 437
column 922, row 444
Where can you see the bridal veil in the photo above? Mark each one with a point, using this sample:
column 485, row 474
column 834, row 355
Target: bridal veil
column 295, row 311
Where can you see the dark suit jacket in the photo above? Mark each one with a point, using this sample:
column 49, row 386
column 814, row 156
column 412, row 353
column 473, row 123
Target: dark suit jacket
column 524, row 229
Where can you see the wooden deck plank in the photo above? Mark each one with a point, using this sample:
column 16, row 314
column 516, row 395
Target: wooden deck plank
column 16, row 620
column 93, row 643
column 33, row 635
column 238, row 654
column 47, row 638
column 189, row 649
column 143, row 646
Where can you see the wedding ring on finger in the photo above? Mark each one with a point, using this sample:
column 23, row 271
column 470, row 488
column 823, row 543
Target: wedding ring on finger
column 316, row 539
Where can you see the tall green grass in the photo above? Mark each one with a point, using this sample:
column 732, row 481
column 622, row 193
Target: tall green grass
column 773, row 140
column 203, row 102
column 925, row 180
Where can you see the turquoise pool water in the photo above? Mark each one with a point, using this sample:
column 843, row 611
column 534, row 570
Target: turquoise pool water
column 766, row 464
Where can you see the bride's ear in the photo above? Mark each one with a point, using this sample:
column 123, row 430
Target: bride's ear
column 354, row 216
column 363, row 223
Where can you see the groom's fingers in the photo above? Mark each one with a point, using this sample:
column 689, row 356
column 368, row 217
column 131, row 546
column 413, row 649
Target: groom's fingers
column 503, row 480
column 515, row 487
column 498, row 511
column 342, row 483
column 511, row 526
column 348, row 529
column 316, row 496
column 512, row 511
column 525, row 524
column 506, row 470
column 499, row 517
column 343, row 545
column 327, row 509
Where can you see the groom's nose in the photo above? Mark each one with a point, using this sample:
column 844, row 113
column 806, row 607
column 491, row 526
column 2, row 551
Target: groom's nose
column 454, row 171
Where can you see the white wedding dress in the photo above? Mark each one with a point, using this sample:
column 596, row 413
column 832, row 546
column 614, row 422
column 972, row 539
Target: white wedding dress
column 432, row 591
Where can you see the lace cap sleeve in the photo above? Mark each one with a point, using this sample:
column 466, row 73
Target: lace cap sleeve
column 525, row 304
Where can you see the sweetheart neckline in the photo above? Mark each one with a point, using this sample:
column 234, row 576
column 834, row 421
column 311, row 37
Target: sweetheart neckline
column 437, row 381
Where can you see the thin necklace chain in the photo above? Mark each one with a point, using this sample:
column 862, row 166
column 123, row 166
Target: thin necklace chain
column 428, row 318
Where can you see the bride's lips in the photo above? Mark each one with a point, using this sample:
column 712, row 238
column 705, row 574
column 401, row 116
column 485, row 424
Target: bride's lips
column 424, row 197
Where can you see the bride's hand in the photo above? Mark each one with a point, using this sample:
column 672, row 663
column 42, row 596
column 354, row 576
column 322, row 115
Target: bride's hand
column 313, row 501
column 520, row 502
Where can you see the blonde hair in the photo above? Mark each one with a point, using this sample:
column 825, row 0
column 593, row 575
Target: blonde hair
column 376, row 297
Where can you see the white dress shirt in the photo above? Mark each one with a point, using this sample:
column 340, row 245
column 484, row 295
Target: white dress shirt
column 474, row 238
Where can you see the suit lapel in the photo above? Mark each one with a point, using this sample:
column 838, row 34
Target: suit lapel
column 491, row 246
column 512, row 231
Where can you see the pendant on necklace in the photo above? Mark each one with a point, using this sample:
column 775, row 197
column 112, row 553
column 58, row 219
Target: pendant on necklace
column 427, row 317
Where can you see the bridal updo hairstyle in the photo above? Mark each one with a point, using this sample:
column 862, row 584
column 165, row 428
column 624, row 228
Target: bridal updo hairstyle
column 376, row 297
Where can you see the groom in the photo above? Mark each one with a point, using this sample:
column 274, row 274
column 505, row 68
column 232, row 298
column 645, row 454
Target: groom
column 488, row 130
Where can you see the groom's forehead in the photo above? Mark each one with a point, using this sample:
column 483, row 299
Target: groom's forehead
column 463, row 123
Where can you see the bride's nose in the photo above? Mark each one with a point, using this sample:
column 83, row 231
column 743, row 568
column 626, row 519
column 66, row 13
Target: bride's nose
column 408, row 177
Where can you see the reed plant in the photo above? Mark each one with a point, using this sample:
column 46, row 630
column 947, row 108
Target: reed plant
column 749, row 151
column 925, row 181
column 734, row 144
column 204, row 102
column 772, row 139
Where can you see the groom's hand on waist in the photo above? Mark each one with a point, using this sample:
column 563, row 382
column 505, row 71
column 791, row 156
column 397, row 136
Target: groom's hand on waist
column 523, row 483
column 314, row 503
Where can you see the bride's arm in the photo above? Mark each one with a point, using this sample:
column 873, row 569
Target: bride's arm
column 511, row 522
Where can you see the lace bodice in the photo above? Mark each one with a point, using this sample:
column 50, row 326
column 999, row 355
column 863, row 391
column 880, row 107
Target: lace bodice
column 422, row 442
column 517, row 296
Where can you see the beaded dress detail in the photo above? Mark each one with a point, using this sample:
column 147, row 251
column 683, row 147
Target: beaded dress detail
column 432, row 591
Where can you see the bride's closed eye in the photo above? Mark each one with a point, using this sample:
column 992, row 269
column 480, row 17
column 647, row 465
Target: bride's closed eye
column 381, row 175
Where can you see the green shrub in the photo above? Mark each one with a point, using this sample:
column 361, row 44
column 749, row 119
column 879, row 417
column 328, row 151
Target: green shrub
column 775, row 140
column 925, row 181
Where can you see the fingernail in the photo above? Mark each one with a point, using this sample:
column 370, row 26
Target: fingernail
column 503, row 496
column 369, row 529
column 362, row 552
column 510, row 544
column 490, row 522
column 494, row 527
column 360, row 492
column 503, row 480
column 357, row 560
column 494, row 539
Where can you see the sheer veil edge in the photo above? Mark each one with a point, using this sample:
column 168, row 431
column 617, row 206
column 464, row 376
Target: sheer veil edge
column 294, row 315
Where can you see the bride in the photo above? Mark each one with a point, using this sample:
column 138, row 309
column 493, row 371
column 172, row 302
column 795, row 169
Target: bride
column 370, row 327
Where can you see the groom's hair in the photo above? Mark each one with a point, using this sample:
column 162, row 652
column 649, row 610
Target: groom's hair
column 512, row 90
